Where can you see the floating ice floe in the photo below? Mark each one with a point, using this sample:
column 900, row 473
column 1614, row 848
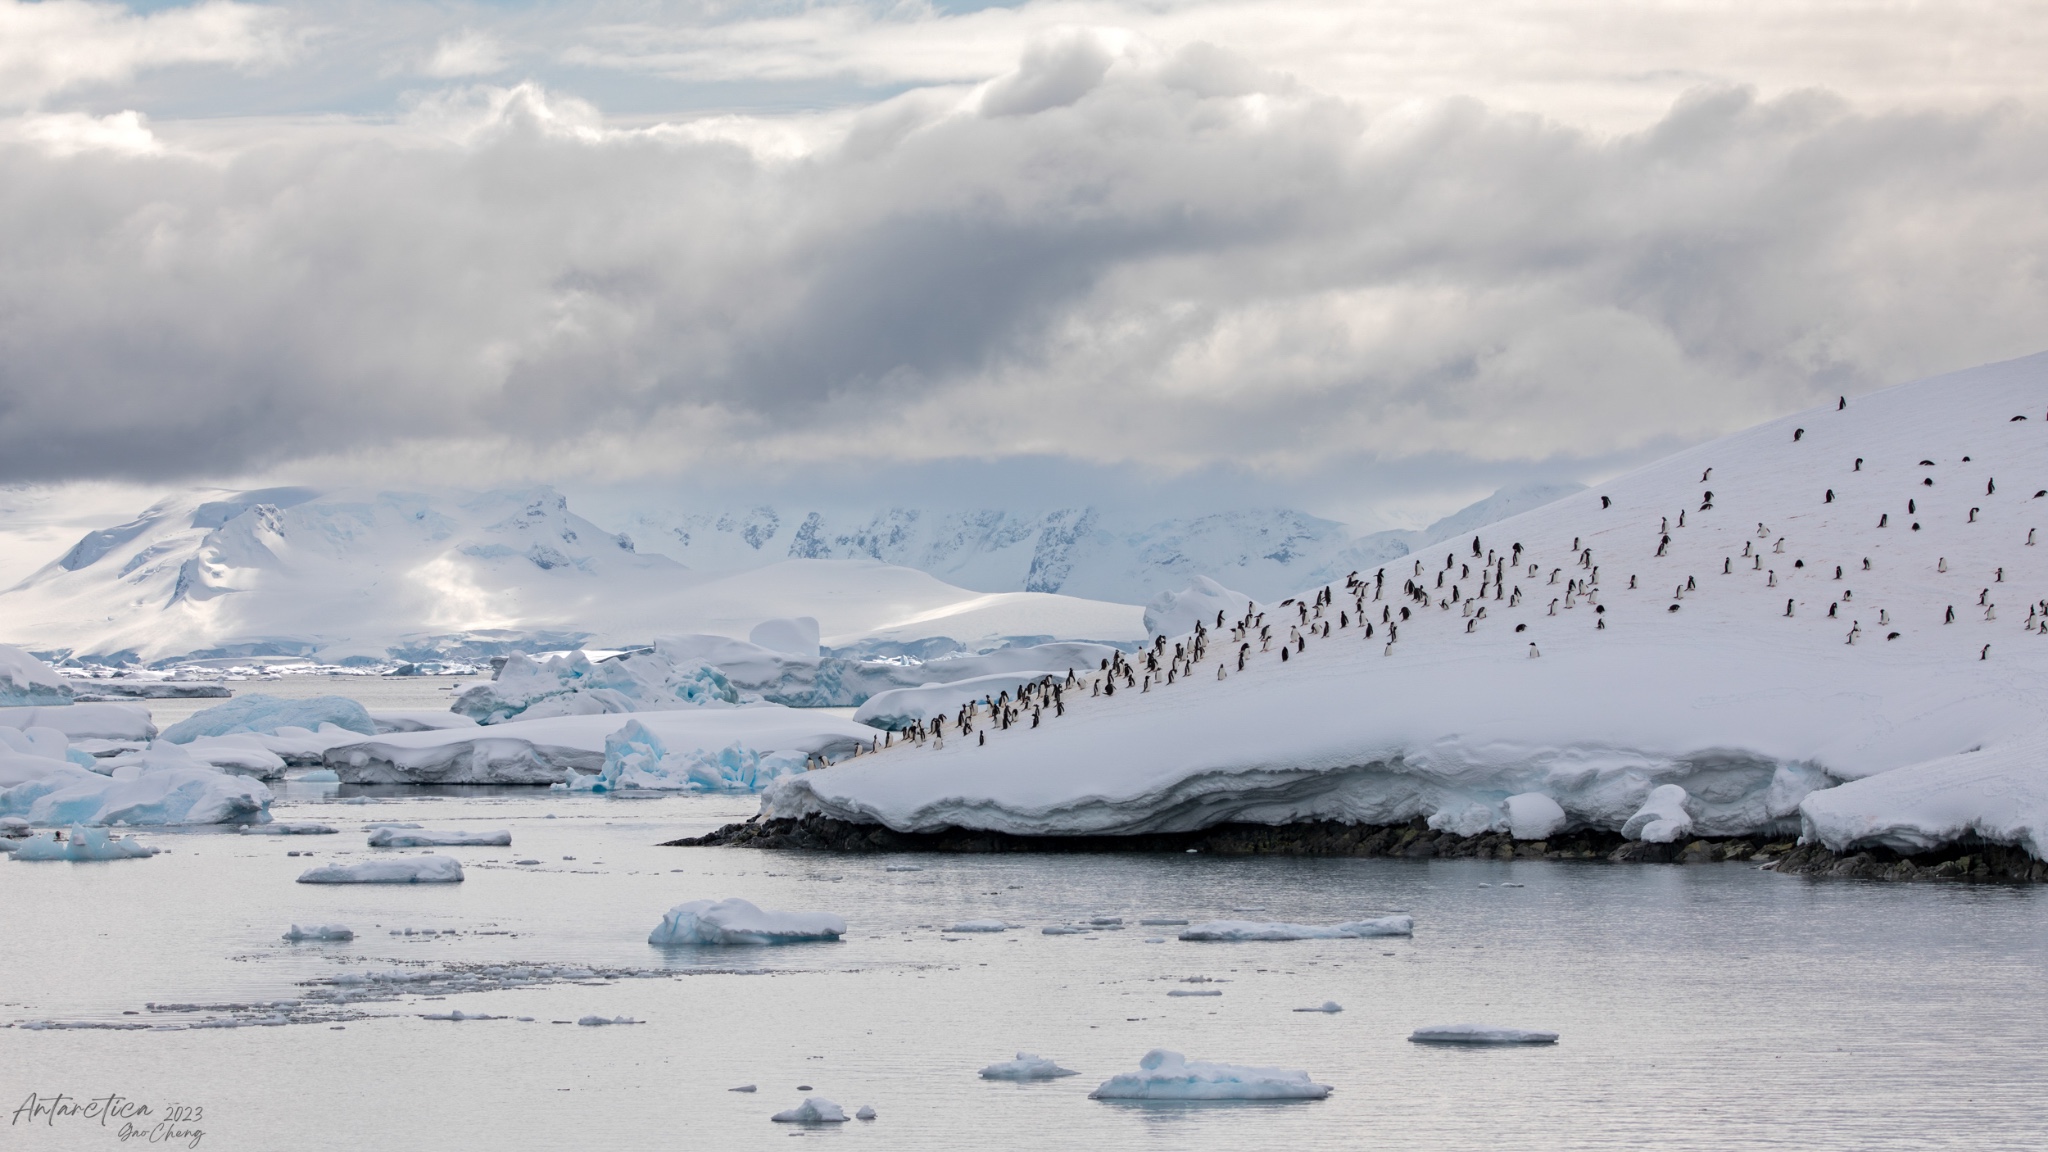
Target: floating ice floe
column 1194, row 992
column 395, row 870
column 82, row 844
column 437, row 838
column 1480, row 1034
column 980, row 926
column 1325, row 1006
column 736, row 921
column 288, row 828
column 165, row 786
column 606, row 1021
column 126, row 724
column 1063, row 930
column 814, row 1110
column 1165, row 1075
column 902, row 867
column 261, row 714
column 319, row 933
column 458, row 1014
column 1027, row 1066
column 867, row 1112
column 1236, row 930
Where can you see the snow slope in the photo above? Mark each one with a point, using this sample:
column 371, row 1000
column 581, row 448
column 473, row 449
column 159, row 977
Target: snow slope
column 294, row 571
column 1699, row 678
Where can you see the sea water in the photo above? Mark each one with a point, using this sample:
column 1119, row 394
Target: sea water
column 1700, row 1007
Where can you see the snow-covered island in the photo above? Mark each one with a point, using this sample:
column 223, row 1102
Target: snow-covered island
column 1830, row 628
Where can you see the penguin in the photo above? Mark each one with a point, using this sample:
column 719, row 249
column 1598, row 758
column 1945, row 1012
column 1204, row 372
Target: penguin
column 1841, row 403
column 1859, row 465
column 1884, row 519
column 1830, row 499
column 1788, row 607
column 1727, row 565
column 1220, row 673
column 1950, row 616
column 1283, row 653
column 1985, row 654
column 1533, row 653
column 981, row 741
column 1797, row 433
column 1606, row 501
column 1469, row 625
column 1990, row 487
column 1704, row 475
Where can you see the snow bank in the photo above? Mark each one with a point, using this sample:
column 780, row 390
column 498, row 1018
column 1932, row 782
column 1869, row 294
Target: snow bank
column 1177, row 613
column 1235, row 930
column 319, row 932
column 1997, row 794
column 28, row 682
column 1164, row 1075
column 398, row 870
column 1534, row 816
column 814, row 1110
column 244, row 755
column 636, row 758
column 572, row 685
column 737, row 921
column 546, row 751
column 82, row 844
column 103, row 720
column 1480, row 1034
column 264, row 715
column 437, row 838
column 1027, row 1066
column 1662, row 818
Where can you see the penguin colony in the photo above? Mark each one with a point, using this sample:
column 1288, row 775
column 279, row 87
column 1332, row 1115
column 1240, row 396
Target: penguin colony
column 1899, row 552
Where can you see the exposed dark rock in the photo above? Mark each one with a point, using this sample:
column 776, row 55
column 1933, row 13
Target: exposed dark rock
column 1412, row 840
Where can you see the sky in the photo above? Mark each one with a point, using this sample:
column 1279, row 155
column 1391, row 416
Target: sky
column 1371, row 259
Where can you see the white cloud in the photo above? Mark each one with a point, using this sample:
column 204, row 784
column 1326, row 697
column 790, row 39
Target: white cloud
column 58, row 45
column 467, row 54
column 68, row 133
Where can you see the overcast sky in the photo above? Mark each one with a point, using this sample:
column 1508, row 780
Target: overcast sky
column 1343, row 251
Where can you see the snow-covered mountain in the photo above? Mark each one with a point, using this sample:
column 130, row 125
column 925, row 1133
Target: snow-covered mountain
column 1078, row 551
column 377, row 575
column 1834, row 623
column 369, row 575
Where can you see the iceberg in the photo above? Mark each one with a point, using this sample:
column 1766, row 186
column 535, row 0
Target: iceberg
column 1243, row 930
column 102, row 720
column 1480, row 1034
column 398, row 870
column 1165, row 1075
column 635, row 758
column 437, row 838
column 319, row 932
column 28, row 682
column 736, row 921
column 83, row 844
column 814, row 1110
column 574, row 685
column 163, row 787
column 264, row 715
column 1027, row 1066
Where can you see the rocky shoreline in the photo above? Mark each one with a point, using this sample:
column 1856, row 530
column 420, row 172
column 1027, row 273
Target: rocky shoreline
column 1411, row 841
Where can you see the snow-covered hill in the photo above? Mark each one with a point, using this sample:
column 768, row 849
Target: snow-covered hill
column 1833, row 621
column 294, row 571
column 1082, row 551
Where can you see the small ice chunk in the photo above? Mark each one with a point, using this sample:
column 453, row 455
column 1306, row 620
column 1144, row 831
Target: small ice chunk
column 1107, row 921
column 319, row 932
column 288, row 828
column 1534, row 816
column 980, row 926
column 744, row 1088
column 438, row 838
column 1228, row 930
column 457, row 1014
column 1325, row 1006
column 373, row 825
column 81, row 843
column 867, row 1112
column 1195, row 992
column 737, row 921
column 1165, row 1075
column 1061, row 930
column 398, row 870
column 814, row 1110
column 601, row 1021
column 1163, row 922
column 1480, row 1034
column 526, row 861
column 902, row 867
column 1027, row 1066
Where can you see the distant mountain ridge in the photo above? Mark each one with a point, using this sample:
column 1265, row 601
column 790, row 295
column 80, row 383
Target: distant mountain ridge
column 1074, row 551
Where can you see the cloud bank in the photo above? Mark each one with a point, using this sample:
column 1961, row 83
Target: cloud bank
column 1115, row 249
